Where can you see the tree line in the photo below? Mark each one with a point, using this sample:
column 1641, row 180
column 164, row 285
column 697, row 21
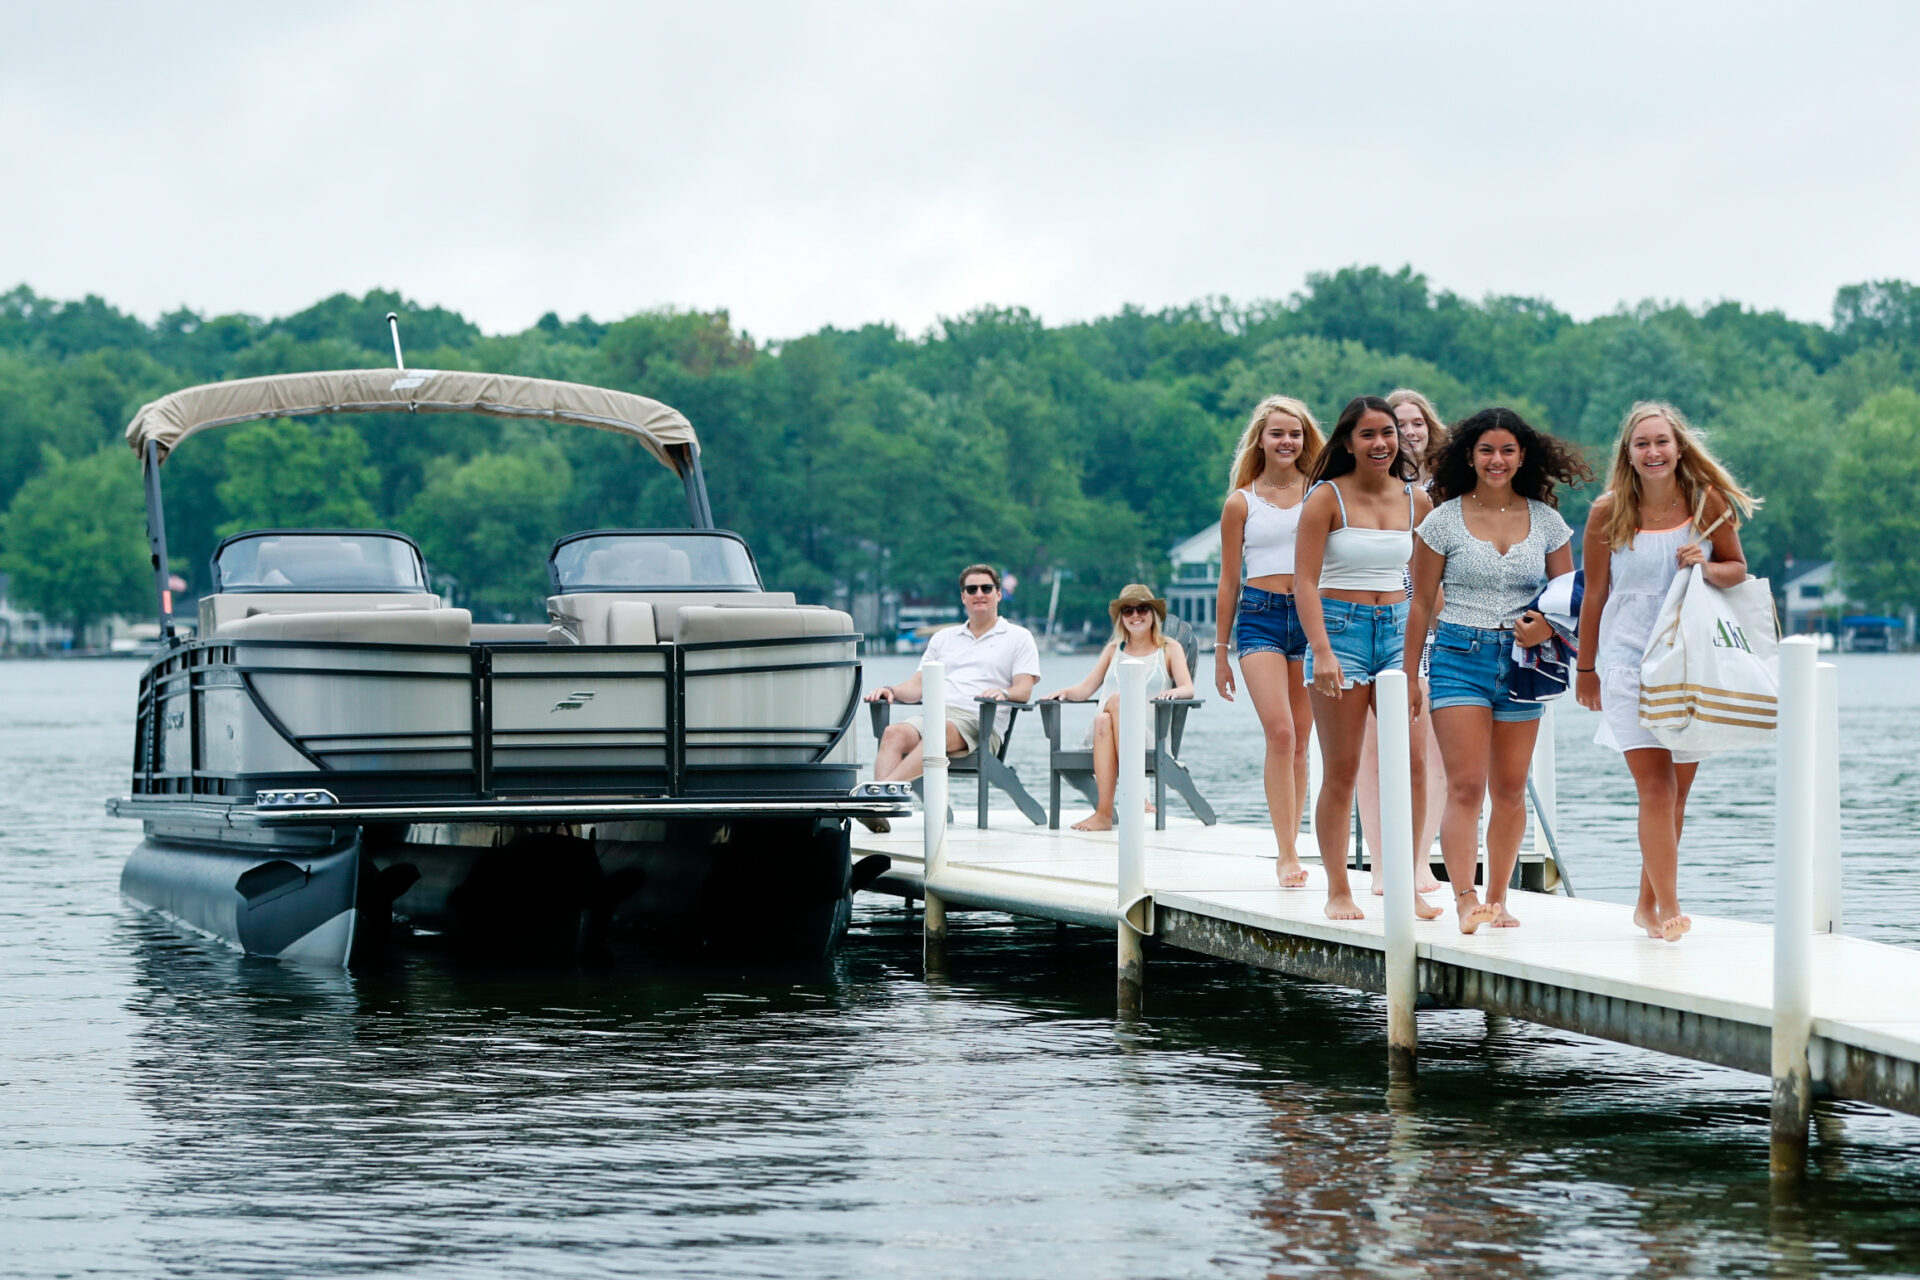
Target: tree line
column 855, row 458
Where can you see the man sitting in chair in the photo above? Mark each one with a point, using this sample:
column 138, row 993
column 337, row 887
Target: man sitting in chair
column 986, row 656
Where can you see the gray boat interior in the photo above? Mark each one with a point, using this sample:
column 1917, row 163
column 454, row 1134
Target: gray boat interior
column 663, row 668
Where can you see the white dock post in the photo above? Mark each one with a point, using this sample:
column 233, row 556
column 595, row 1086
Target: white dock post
column 933, row 856
column 1793, row 907
column 1130, row 821
column 1395, row 862
column 1826, row 814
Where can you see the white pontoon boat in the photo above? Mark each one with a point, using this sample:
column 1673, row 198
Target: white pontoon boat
column 335, row 749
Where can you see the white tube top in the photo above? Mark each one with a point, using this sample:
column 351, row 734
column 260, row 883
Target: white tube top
column 1268, row 538
column 1366, row 559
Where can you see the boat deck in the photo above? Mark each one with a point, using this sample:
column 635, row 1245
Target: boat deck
column 1574, row 963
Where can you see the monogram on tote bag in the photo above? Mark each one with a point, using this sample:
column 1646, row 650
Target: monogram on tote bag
column 1710, row 679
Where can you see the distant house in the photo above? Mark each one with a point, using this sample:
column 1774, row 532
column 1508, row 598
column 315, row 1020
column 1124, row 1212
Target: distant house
column 1813, row 601
column 25, row 631
column 1194, row 591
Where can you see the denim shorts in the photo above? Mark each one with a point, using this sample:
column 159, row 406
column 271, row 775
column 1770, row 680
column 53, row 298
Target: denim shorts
column 1473, row 667
column 1267, row 623
column 1366, row 638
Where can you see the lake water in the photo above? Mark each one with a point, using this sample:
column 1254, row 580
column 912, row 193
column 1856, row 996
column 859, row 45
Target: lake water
column 170, row 1108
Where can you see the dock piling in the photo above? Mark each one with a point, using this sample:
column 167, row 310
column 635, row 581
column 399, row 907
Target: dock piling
column 1794, row 823
column 1395, row 864
column 1130, row 822
column 933, row 763
column 1826, row 815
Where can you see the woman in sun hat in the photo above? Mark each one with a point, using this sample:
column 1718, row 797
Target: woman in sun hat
column 1137, row 616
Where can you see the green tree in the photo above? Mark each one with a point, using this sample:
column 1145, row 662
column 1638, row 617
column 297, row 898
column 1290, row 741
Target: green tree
column 1870, row 496
column 74, row 539
column 285, row 475
column 490, row 521
column 1779, row 448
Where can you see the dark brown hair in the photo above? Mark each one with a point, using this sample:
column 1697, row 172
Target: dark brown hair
column 1337, row 458
column 1544, row 459
column 972, row 569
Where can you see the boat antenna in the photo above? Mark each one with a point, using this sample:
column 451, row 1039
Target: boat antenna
column 393, row 324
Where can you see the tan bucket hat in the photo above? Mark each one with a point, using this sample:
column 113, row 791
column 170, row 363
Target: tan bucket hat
column 1135, row 593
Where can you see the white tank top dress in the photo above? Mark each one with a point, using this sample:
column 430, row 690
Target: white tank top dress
column 1268, row 537
column 1637, row 580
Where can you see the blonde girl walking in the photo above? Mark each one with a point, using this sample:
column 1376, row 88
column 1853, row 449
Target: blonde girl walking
column 1669, row 505
column 1258, row 527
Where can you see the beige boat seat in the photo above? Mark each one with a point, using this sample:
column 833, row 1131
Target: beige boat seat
column 388, row 626
column 705, row 624
column 218, row 610
column 510, row 632
column 606, row 617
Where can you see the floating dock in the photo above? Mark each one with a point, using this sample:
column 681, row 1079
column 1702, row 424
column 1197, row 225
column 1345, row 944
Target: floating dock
column 1823, row 1014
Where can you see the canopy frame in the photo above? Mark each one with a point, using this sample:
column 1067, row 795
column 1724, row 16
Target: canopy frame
column 162, row 424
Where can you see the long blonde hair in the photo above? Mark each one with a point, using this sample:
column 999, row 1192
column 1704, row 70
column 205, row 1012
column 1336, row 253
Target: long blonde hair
column 1250, row 459
column 1697, row 471
column 1436, row 429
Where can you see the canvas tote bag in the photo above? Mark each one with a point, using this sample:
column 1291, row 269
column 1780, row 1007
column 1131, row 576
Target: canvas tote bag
column 1710, row 680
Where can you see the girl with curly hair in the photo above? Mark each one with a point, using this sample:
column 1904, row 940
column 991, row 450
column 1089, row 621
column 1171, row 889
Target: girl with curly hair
column 1493, row 542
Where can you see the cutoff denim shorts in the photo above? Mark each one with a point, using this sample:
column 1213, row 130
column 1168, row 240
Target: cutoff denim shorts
column 1473, row 667
column 1267, row 623
column 1366, row 638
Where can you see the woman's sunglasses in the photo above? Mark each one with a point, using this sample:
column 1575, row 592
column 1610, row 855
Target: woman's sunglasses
column 1128, row 610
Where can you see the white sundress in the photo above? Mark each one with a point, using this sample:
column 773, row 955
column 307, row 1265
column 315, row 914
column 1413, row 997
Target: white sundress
column 1637, row 580
column 1156, row 681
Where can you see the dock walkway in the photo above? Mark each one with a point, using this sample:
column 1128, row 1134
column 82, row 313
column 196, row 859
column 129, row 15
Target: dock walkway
column 1822, row 1014
column 1574, row 963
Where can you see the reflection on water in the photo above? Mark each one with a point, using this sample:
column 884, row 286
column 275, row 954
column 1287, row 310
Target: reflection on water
column 171, row 1108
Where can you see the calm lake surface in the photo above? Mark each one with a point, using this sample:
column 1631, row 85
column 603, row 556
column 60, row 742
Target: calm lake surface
column 170, row 1108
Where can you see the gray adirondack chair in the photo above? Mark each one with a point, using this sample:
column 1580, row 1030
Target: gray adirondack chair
column 1073, row 765
column 989, row 766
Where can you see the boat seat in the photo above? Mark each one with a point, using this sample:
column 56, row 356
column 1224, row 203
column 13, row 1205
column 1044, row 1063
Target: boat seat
column 606, row 617
column 706, row 624
column 389, row 626
column 218, row 610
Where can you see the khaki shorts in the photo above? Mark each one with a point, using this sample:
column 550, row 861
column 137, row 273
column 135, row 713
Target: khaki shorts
column 966, row 720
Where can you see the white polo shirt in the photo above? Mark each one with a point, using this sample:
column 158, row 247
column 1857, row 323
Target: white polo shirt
column 976, row 664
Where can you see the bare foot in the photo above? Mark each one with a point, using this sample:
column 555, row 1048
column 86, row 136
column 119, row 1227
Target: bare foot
column 1674, row 927
column 1474, row 915
column 1150, row 808
column 1505, row 919
column 1292, row 874
column 1095, row 822
column 1341, row 906
column 1424, row 909
column 1647, row 922
column 1425, row 882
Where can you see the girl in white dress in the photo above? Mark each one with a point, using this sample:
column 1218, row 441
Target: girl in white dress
column 1669, row 505
column 1137, row 617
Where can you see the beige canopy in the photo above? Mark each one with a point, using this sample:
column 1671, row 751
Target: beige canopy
column 172, row 418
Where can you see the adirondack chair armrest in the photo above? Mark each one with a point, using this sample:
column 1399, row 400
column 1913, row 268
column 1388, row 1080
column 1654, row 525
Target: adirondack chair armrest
column 1051, row 716
column 1170, row 723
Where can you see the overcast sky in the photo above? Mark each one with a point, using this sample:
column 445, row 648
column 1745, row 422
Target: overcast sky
column 806, row 164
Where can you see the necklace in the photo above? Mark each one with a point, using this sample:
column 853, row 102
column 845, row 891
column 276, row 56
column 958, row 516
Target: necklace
column 1646, row 518
column 1481, row 503
column 1278, row 489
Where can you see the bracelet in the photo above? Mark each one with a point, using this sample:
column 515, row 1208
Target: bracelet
column 1585, row 671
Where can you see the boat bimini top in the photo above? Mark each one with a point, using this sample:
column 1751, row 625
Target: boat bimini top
column 162, row 424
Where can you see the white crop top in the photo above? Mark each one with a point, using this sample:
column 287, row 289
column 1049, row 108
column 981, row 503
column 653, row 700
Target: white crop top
column 1366, row 559
column 1268, row 537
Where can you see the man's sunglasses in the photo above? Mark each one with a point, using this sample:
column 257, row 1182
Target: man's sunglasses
column 979, row 588
column 1128, row 610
